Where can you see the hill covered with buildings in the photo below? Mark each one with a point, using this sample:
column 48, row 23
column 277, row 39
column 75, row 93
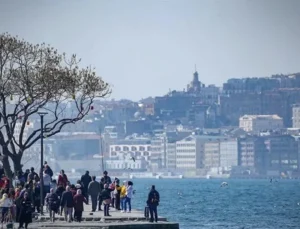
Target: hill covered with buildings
column 248, row 127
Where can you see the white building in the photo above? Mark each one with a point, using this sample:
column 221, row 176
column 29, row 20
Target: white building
column 130, row 152
column 296, row 116
column 126, row 165
column 17, row 131
column 257, row 123
column 171, row 155
column 228, row 153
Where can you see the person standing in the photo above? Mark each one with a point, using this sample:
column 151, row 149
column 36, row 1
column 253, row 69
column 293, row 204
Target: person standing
column 94, row 191
column 117, row 193
column 79, row 199
column 105, row 179
column 153, row 202
column 67, row 204
column 129, row 194
column 123, row 195
column 106, row 199
column 85, row 181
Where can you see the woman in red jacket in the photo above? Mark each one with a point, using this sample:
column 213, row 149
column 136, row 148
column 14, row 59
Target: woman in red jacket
column 79, row 199
column 62, row 179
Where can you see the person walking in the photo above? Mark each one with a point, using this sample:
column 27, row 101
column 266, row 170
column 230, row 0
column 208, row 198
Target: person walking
column 52, row 202
column 94, row 191
column 62, row 179
column 153, row 202
column 79, row 199
column 67, row 204
column 85, row 181
column 25, row 216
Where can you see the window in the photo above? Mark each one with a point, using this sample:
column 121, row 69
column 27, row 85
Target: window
column 142, row 148
column 118, row 148
column 133, row 148
column 125, row 148
column 146, row 153
column 148, row 148
column 113, row 154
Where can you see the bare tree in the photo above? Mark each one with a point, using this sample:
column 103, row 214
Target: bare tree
column 35, row 77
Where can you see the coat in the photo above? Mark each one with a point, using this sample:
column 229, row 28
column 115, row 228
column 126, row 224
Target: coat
column 25, row 214
column 85, row 180
column 79, row 199
column 94, row 188
column 67, row 200
column 53, row 201
column 62, row 180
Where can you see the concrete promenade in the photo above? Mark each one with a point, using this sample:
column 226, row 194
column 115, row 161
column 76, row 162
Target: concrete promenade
column 117, row 220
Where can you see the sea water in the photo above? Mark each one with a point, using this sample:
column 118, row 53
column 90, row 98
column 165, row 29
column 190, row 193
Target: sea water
column 247, row 204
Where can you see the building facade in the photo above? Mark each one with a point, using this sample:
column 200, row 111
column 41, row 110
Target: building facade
column 296, row 116
column 257, row 123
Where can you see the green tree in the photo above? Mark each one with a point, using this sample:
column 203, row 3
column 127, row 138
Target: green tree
column 35, row 77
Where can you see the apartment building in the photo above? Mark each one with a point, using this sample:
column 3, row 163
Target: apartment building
column 257, row 123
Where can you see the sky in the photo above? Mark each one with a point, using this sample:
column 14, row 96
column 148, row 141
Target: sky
column 147, row 47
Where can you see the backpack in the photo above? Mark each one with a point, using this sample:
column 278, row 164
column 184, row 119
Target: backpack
column 155, row 199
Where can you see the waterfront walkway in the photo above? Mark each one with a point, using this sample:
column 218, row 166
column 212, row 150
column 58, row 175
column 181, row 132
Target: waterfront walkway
column 117, row 220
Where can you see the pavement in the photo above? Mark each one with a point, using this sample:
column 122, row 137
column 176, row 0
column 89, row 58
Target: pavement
column 116, row 216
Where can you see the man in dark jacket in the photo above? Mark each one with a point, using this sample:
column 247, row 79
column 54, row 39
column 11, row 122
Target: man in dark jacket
column 105, row 179
column 85, row 181
column 153, row 202
column 94, row 191
column 67, row 204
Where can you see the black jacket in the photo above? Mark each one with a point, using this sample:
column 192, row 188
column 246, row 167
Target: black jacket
column 153, row 197
column 67, row 199
column 105, row 194
column 85, row 180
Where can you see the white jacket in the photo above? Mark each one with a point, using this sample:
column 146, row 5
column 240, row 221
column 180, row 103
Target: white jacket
column 47, row 179
column 129, row 191
column 7, row 203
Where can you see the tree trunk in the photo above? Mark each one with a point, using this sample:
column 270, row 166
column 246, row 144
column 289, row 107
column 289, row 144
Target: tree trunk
column 6, row 167
column 17, row 162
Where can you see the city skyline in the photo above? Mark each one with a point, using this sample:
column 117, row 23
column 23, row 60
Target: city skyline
column 145, row 48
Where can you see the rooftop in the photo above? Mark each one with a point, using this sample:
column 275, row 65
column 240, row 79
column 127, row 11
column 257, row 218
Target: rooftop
column 261, row 117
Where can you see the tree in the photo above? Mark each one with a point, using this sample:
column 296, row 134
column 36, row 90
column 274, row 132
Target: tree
column 35, row 77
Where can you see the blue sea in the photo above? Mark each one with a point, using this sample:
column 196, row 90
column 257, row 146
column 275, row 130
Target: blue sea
column 244, row 204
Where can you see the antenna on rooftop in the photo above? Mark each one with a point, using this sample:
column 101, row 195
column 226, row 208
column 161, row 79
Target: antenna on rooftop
column 195, row 67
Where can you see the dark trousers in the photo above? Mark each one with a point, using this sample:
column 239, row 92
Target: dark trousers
column 106, row 209
column 117, row 202
column 86, row 195
column 4, row 214
column 78, row 216
column 153, row 211
column 100, row 202
column 21, row 225
column 94, row 202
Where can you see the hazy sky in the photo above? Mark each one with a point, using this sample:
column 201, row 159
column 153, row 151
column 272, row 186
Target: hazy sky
column 145, row 47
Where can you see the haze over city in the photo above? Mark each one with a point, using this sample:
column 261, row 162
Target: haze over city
column 143, row 48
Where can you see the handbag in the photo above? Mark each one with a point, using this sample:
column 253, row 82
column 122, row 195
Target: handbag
column 107, row 201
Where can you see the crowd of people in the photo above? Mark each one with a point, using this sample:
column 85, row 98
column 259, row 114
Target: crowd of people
column 20, row 203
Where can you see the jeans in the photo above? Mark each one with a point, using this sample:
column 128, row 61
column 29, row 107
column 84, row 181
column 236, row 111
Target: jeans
column 127, row 200
column 153, row 211
column 123, row 203
column 68, row 214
